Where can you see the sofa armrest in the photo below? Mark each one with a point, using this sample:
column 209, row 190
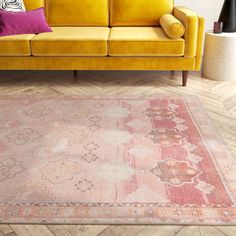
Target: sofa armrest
column 191, row 23
column 201, row 34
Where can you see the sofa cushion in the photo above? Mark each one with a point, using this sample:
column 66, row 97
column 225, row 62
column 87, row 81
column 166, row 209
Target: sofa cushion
column 23, row 22
column 17, row 45
column 71, row 41
column 78, row 12
column 138, row 12
column 143, row 41
column 172, row 27
column 34, row 4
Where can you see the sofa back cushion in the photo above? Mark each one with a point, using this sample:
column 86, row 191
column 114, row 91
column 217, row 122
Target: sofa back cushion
column 33, row 4
column 78, row 12
column 138, row 12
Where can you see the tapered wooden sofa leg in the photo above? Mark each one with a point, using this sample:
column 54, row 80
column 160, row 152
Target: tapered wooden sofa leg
column 75, row 75
column 185, row 77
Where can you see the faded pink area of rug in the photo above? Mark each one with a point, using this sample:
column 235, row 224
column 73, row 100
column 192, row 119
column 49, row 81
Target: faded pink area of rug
column 111, row 160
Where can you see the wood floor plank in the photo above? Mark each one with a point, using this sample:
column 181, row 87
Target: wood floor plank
column 31, row 230
column 6, row 230
column 211, row 231
column 75, row 230
column 120, row 230
column 164, row 230
column 227, row 230
column 202, row 231
column 189, row 231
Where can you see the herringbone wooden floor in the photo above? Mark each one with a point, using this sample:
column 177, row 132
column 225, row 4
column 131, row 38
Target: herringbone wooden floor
column 218, row 98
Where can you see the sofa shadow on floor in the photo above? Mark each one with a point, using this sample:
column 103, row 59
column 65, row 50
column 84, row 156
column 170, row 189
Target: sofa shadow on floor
column 101, row 78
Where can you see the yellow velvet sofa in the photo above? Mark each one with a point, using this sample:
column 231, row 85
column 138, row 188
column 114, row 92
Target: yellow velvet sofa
column 108, row 35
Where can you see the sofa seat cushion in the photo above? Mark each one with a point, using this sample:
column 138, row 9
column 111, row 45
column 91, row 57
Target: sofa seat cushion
column 143, row 41
column 16, row 45
column 71, row 41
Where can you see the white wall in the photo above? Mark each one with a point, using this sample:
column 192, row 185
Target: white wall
column 210, row 9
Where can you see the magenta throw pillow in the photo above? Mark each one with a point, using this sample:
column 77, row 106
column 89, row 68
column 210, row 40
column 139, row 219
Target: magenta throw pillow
column 23, row 22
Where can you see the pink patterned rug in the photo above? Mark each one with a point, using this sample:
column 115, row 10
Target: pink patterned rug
column 111, row 160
